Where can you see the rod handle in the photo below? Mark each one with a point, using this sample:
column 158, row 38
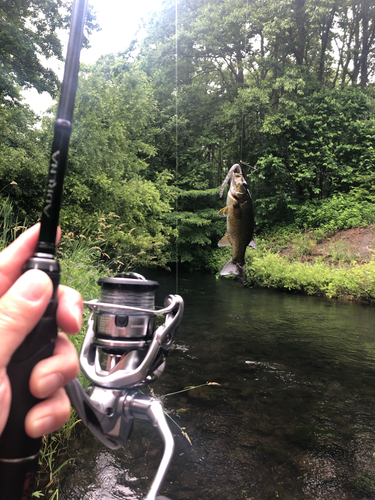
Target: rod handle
column 18, row 451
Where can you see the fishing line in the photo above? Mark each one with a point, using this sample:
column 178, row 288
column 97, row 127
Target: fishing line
column 243, row 84
column 136, row 296
column 176, row 147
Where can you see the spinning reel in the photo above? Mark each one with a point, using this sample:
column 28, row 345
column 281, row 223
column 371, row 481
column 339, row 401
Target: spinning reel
column 123, row 350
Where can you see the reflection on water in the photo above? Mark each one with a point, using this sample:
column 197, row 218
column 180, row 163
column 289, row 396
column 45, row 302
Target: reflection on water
column 293, row 417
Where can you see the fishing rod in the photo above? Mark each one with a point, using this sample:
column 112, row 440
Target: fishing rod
column 123, row 348
column 18, row 452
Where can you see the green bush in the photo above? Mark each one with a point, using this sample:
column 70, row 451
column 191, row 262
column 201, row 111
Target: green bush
column 273, row 271
column 342, row 211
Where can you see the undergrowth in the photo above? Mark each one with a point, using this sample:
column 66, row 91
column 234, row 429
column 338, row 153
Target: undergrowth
column 289, row 260
column 355, row 282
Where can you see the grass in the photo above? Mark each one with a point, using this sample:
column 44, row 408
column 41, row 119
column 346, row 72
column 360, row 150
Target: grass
column 10, row 224
column 292, row 262
column 52, row 459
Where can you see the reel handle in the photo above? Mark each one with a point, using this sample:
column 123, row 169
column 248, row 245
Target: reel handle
column 19, row 452
column 114, row 427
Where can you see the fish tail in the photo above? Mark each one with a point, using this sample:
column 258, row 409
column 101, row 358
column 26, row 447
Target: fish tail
column 233, row 268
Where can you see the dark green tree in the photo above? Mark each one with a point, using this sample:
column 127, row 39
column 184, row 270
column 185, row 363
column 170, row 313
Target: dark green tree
column 23, row 165
column 28, row 38
column 106, row 187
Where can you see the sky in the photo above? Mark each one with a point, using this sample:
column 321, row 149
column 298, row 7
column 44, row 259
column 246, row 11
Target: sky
column 119, row 20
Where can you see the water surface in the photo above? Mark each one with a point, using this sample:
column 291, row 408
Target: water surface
column 293, row 417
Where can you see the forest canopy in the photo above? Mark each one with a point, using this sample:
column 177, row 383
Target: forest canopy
column 285, row 86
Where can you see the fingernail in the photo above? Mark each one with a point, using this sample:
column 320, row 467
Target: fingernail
column 49, row 384
column 31, row 286
column 44, row 425
column 77, row 313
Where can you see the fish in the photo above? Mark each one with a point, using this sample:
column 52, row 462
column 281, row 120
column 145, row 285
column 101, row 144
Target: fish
column 240, row 222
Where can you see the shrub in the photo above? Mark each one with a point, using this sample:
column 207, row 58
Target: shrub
column 273, row 271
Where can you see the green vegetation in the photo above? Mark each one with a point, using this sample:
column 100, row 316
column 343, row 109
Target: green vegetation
column 289, row 259
column 52, row 459
column 355, row 282
column 282, row 85
column 285, row 86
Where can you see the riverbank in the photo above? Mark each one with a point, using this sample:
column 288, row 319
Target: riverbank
column 338, row 265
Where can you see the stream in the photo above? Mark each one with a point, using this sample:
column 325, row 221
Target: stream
column 293, row 417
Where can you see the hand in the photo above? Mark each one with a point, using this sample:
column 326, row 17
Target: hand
column 23, row 300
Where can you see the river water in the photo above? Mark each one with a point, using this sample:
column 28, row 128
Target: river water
column 293, row 417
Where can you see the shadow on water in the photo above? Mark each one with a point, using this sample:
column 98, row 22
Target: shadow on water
column 293, row 417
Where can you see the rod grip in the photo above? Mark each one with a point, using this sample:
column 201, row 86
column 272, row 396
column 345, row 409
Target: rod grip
column 17, row 479
column 18, row 451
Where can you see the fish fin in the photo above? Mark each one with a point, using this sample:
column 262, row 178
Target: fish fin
column 224, row 242
column 233, row 268
column 252, row 243
column 223, row 212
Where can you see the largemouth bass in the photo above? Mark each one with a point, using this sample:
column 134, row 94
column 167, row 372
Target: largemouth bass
column 240, row 222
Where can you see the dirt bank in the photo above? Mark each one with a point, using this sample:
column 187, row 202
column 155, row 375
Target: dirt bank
column 352, row 244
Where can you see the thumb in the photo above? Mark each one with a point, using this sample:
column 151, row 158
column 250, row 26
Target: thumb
column 20, row 310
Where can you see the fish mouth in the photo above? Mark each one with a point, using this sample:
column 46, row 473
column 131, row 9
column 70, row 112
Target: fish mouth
column 241, row 189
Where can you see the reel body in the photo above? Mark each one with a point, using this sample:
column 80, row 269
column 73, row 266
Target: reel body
column 123, row 350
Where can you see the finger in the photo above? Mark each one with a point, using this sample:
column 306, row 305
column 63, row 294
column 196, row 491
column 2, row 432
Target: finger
column 16, row 254
column 5, row 397
column 20, row 310
column 55, row 372
column 48, row 415
column 69, row 309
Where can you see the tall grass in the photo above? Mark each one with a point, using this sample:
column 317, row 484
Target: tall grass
column 81, row 267
column 10, row 225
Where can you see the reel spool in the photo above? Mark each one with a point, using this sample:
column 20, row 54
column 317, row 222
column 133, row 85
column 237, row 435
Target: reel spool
column 123, row 335
column 122, row 350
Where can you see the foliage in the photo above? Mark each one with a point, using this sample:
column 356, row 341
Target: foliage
column 198, row 229
column 272, row 271
column 9, row 224
column 106, row 168
column 283, row 85
column 321, row 145
column 108, row 159
column 28, row 36
column 262, row 82
column 122, row 246
column 342, row 211
column 23, row 167
column 110, row 143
